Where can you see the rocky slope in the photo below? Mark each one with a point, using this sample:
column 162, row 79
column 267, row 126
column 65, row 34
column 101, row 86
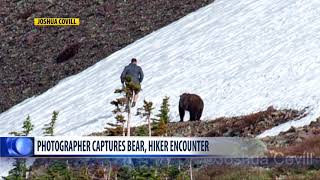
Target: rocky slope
column 303, row 141
column 243, row 126
column 30, row 58
column 294, row 135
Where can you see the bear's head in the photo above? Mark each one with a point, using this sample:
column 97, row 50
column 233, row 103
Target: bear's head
column 184, row 95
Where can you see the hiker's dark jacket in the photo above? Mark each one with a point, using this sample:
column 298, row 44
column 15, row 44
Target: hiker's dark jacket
column 134, row 71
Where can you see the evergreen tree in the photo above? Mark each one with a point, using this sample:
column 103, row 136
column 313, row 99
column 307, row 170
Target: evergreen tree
column 128, row 90
column 164, row 110
column 84, row 173
column 170, row 172
column 19, row 170
column 123, row 106
column 144, row 172
column 118, row 127
column 160, row 124
column 19, row 165
column 27, row 128
column 183, row 176
column 146, row 111
column 58, row 169
column 125, row 172
column 49, row 128
column 142, row 131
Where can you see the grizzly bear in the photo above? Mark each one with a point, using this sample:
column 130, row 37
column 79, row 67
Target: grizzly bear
column 192, row 103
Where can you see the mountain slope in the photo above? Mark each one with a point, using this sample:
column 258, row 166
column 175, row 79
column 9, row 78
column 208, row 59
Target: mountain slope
column 241, row 56
column 106, row 27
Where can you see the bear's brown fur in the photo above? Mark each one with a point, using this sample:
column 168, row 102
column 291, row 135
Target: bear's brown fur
column 192, row 103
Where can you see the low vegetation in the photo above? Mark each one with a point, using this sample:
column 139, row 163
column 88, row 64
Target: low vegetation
column 245, row 126
column 300, row 141
column 255, row 173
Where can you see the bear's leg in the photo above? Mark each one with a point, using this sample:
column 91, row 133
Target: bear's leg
column 192, row 116
column 181, row 113
column 196, row 116
column 199, row 114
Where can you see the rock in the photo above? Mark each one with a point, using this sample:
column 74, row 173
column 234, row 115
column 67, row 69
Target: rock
column 229, row 133
column 270, row 109
column 292, row 129
column 26, row 91
column 298, row 140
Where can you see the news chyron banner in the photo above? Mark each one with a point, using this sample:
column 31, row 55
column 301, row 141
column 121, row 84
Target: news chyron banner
column 120, row 146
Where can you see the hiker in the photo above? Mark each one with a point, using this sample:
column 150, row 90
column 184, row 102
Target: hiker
column 132, row 73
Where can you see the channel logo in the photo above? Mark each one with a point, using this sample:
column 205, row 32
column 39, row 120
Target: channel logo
column 16, row 146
